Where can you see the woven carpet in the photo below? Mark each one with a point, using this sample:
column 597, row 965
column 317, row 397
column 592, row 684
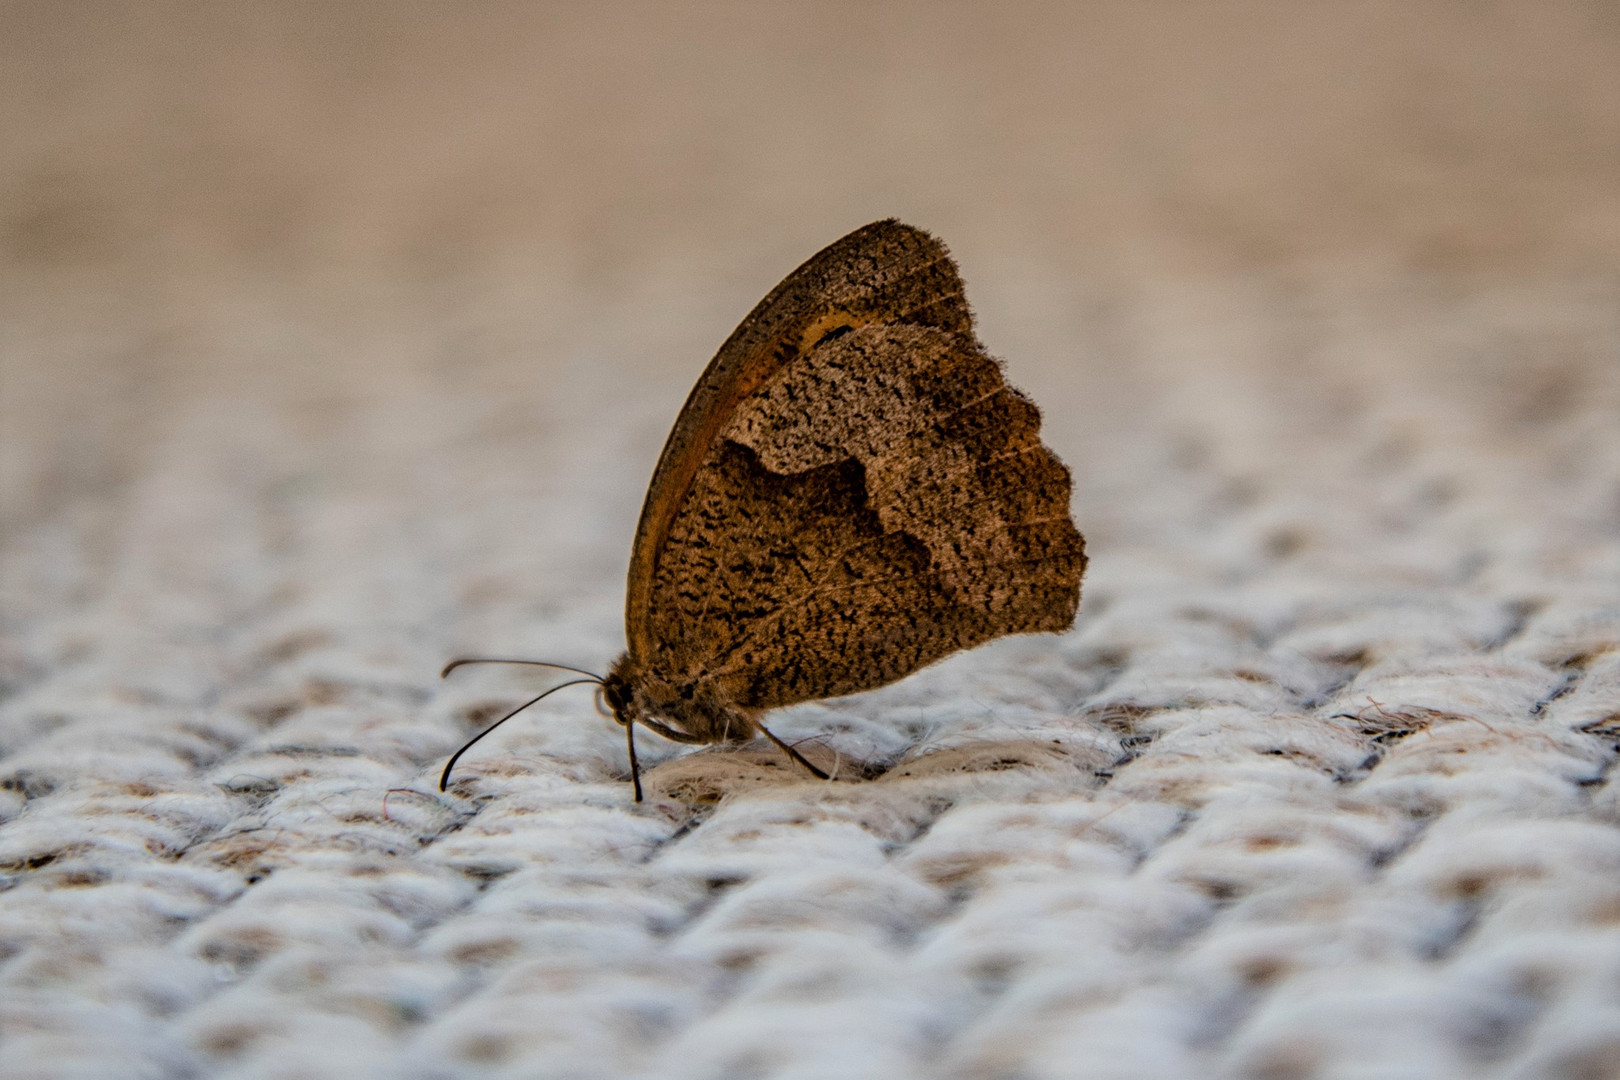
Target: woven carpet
column 341, row 342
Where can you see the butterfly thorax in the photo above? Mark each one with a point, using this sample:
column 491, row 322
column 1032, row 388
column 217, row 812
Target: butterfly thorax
column 686, row 711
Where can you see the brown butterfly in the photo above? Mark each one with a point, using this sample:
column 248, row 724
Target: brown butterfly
column 851, row 492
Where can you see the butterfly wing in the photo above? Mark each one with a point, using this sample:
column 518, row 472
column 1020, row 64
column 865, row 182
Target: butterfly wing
column 852, row 491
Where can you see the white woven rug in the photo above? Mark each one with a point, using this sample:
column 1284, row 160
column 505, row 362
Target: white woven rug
column 1319, row 786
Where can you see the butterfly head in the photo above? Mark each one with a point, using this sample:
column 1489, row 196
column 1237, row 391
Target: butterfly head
column 685, row 712
column 635, row 698
column 618, row 694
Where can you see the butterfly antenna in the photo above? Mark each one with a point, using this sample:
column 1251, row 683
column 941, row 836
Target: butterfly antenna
column 452, row 665
column 444, row 777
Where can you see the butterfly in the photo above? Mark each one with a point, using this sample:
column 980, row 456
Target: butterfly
column 851, row 492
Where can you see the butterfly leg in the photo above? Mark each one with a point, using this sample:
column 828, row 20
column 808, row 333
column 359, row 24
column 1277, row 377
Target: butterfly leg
column 792, row 753
column 635, row 766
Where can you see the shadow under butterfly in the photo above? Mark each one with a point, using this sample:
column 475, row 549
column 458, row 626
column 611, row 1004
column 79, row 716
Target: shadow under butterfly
column 851, row 492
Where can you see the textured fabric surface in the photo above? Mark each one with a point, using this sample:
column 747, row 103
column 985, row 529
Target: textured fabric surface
column 339, row 343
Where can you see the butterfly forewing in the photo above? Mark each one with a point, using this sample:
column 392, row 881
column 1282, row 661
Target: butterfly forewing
column 882, row 272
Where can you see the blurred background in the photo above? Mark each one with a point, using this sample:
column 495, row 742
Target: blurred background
column 395, row 264
column 605, row 143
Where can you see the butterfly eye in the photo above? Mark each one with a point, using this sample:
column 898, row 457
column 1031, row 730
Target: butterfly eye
column 602, row 705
